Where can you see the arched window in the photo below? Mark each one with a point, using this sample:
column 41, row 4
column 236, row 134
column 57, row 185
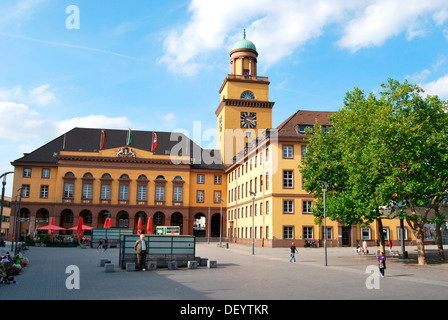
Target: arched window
column 106, row 176
column 88, row 175
column 142, row 177
column 178, row 178
column 69, row 175
column 248, row 95
column 160, row 178
column 124, row 176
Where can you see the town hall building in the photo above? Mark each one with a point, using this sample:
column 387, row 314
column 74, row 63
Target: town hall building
column 249, row 187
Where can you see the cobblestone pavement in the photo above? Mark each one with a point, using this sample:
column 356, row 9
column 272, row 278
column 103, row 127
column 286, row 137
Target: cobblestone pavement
column 266, row 275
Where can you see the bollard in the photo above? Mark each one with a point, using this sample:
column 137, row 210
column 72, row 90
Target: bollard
column 110, row 267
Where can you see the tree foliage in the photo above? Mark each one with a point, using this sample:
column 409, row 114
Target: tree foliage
column 382, row 151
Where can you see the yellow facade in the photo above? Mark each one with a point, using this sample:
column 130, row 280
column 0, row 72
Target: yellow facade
column 96, row 169
column 259, row 188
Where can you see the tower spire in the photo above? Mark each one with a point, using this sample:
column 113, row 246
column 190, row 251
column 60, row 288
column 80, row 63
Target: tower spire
column 244, row 34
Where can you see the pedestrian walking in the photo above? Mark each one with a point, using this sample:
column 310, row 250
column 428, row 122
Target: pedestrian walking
column 389, row 244
column 364, row 247
column 106, row 244
column 382, row 263
column 293, row 251
column 100, row 245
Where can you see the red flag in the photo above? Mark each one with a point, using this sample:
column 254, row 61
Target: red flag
column 154, row 141
column 103, row 139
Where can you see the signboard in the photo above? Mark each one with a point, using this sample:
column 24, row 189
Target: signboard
column 168, row 231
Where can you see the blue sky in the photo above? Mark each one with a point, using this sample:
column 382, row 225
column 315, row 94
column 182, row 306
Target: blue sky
column 158, row 65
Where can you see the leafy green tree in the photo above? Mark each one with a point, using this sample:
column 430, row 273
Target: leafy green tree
column 387, row 151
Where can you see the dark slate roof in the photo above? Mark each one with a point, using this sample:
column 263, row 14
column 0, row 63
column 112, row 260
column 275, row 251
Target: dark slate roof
column 88, row 140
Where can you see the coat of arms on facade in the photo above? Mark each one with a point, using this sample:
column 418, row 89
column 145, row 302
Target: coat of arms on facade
column 126, row 152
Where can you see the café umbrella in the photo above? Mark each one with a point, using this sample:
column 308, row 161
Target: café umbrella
column 51, row 227
column 139, row 227
column 107, row 223
column 81, row 227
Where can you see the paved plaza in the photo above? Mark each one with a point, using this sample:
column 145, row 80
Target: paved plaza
column 267, row 275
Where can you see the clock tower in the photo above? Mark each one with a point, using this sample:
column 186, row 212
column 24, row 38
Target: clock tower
column 245, row 111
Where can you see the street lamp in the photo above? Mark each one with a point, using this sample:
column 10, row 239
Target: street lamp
column 324, row 190
column 220, row 223
column 253, row 194
column 3, row 198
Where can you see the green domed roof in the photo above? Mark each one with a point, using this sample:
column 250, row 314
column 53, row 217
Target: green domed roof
column 244, row 44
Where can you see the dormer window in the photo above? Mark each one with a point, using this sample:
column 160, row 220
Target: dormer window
column 302, row 128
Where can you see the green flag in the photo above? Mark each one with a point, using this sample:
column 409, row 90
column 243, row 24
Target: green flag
column 129, row 139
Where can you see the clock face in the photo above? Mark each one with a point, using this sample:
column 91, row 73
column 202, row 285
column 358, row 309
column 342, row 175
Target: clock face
column 248, row 120
column 248, row 95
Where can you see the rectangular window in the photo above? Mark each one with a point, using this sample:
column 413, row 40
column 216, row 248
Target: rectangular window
column 105, row 192
column 307, row 206
column 201, row 178
column 399, row 232
column 267, row 206
column 217, row 196
column 160, row 193
column 288, row 152
column 44, row 192
column 45, row 173
column 329, row 233
column 141, row 193
column 26, row 191
column 365, row 234
column 177, row 194
column 288, row 179
column 87, row 191
column 288, row 232
column 267, row 180
column 288, row 206
column 27, row 173
column 200, row 196
column 218, row 179
column 308, row 233
column 304, row 151
column 68, row 190
column 124, row 192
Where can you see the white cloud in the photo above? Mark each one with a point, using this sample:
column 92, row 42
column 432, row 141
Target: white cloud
column 30, row 122
column 34, row 128
column 383, row 19
column 279, row 27
column 42, row 96
column 438, row 87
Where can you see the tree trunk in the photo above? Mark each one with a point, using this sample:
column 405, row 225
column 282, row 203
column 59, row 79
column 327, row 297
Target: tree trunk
column 439, row 241
column 381, row 235
column 419, row 234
